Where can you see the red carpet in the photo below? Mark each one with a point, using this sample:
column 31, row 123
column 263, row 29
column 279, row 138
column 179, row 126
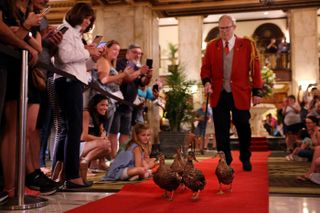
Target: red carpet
column 250, row 193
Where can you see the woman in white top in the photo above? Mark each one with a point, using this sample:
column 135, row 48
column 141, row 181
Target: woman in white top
column 292, row 120
column 71, row 58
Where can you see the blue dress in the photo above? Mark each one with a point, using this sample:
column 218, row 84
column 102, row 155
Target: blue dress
column 125, row 159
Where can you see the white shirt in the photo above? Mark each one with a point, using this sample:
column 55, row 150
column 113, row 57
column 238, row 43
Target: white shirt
column 232, row 41
column 72, row 56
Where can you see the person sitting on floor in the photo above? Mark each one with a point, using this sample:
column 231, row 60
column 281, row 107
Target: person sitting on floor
column 314, row 131
column 95, row 143
column 270, row 124
column 305, row 150
column 131, row 163
column 315, row 166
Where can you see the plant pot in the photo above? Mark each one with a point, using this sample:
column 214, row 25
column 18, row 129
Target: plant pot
column 172, row 67
column 169, row 141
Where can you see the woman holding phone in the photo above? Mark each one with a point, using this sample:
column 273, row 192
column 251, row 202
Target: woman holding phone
column 111, row 79
column 71, row 58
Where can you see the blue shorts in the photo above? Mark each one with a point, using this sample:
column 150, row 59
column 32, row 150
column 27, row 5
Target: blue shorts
column 121, row 123
column 307, row 153
column 199, row 132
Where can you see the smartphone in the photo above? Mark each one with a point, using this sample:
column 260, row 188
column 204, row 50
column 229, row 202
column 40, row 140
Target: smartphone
column 45, row 11
column 149, row 63
column 155, row 87
column 97, row 39
column 64, row 29
column 102, row 44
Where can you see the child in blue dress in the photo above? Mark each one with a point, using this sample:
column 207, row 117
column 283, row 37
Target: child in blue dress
column 134, row 161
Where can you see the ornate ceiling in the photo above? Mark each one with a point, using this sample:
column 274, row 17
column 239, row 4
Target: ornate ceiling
column 175, row 8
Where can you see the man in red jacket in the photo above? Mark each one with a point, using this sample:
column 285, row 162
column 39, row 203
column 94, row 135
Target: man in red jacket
column 228, row 65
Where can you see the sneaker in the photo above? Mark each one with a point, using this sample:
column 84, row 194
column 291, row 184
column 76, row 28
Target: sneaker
column 289, row 157
column 3, row 197
column 59, row 185
column 40, row 182
column 315, row 177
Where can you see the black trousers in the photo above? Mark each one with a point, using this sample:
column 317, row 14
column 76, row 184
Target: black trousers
column 222, row 121
column 70, row 100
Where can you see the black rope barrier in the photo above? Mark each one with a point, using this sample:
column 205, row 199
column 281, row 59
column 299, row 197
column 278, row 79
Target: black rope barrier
column 96, row 85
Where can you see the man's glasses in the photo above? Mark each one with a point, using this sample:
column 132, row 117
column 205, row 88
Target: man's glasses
column 136, row 52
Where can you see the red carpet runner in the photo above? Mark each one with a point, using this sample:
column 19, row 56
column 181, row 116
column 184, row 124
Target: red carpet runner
column 250, row 193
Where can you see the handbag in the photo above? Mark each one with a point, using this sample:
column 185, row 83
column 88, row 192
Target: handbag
column 38, row 78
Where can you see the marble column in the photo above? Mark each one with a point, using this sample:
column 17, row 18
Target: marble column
column 190, row 41
column 304, row 46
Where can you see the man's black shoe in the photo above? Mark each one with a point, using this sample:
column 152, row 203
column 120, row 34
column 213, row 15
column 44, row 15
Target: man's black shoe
column 246, row 165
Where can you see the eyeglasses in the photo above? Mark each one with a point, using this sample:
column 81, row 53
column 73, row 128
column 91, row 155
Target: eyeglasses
column 225, row 28
column 137, row 52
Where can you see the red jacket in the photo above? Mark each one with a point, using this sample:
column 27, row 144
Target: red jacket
column 242, row 69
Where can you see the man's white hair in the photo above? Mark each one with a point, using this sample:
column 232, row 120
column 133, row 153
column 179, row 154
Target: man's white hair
column 228, row 17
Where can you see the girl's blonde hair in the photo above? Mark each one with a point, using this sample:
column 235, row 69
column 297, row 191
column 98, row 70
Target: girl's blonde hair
column 137, row 129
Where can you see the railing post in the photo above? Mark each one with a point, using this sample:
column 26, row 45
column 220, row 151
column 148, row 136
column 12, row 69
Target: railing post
column 21, row 202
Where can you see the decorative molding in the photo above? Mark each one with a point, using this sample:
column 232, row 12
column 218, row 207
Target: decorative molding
column 176, row 8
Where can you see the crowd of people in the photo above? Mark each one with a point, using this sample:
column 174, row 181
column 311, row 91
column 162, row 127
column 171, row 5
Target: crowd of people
column 298, row 122
column 90, row 127
column 301, row 128
column 85, row 123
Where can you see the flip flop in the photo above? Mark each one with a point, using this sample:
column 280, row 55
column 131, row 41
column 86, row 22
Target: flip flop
column 302, row 178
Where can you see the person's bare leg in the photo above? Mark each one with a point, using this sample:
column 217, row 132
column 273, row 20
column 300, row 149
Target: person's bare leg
column 315, row 160
column 8, row 147
column 123, row 139
column 136, row 171
column 114, row 144
column 33, row 140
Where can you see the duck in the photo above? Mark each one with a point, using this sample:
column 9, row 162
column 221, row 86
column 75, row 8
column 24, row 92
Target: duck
column 166, row 178
column 193, row 178
column 178, row 163
column 224, row 173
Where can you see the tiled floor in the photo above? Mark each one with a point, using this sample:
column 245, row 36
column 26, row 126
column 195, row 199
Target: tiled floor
column 61, row 202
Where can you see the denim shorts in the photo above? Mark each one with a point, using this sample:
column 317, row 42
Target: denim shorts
column 199, row 132
column 121, row 123
column 306, row 153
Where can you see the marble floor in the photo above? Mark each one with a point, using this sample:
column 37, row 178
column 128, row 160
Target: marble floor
column 63, row 201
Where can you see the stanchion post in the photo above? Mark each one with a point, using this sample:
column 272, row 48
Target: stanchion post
column 21, row 202
column 22, row 124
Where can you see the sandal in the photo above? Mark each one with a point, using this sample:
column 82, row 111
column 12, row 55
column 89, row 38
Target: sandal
column 302, row 178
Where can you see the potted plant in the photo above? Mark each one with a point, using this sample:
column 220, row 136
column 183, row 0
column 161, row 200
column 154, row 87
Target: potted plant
column 178, row 108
